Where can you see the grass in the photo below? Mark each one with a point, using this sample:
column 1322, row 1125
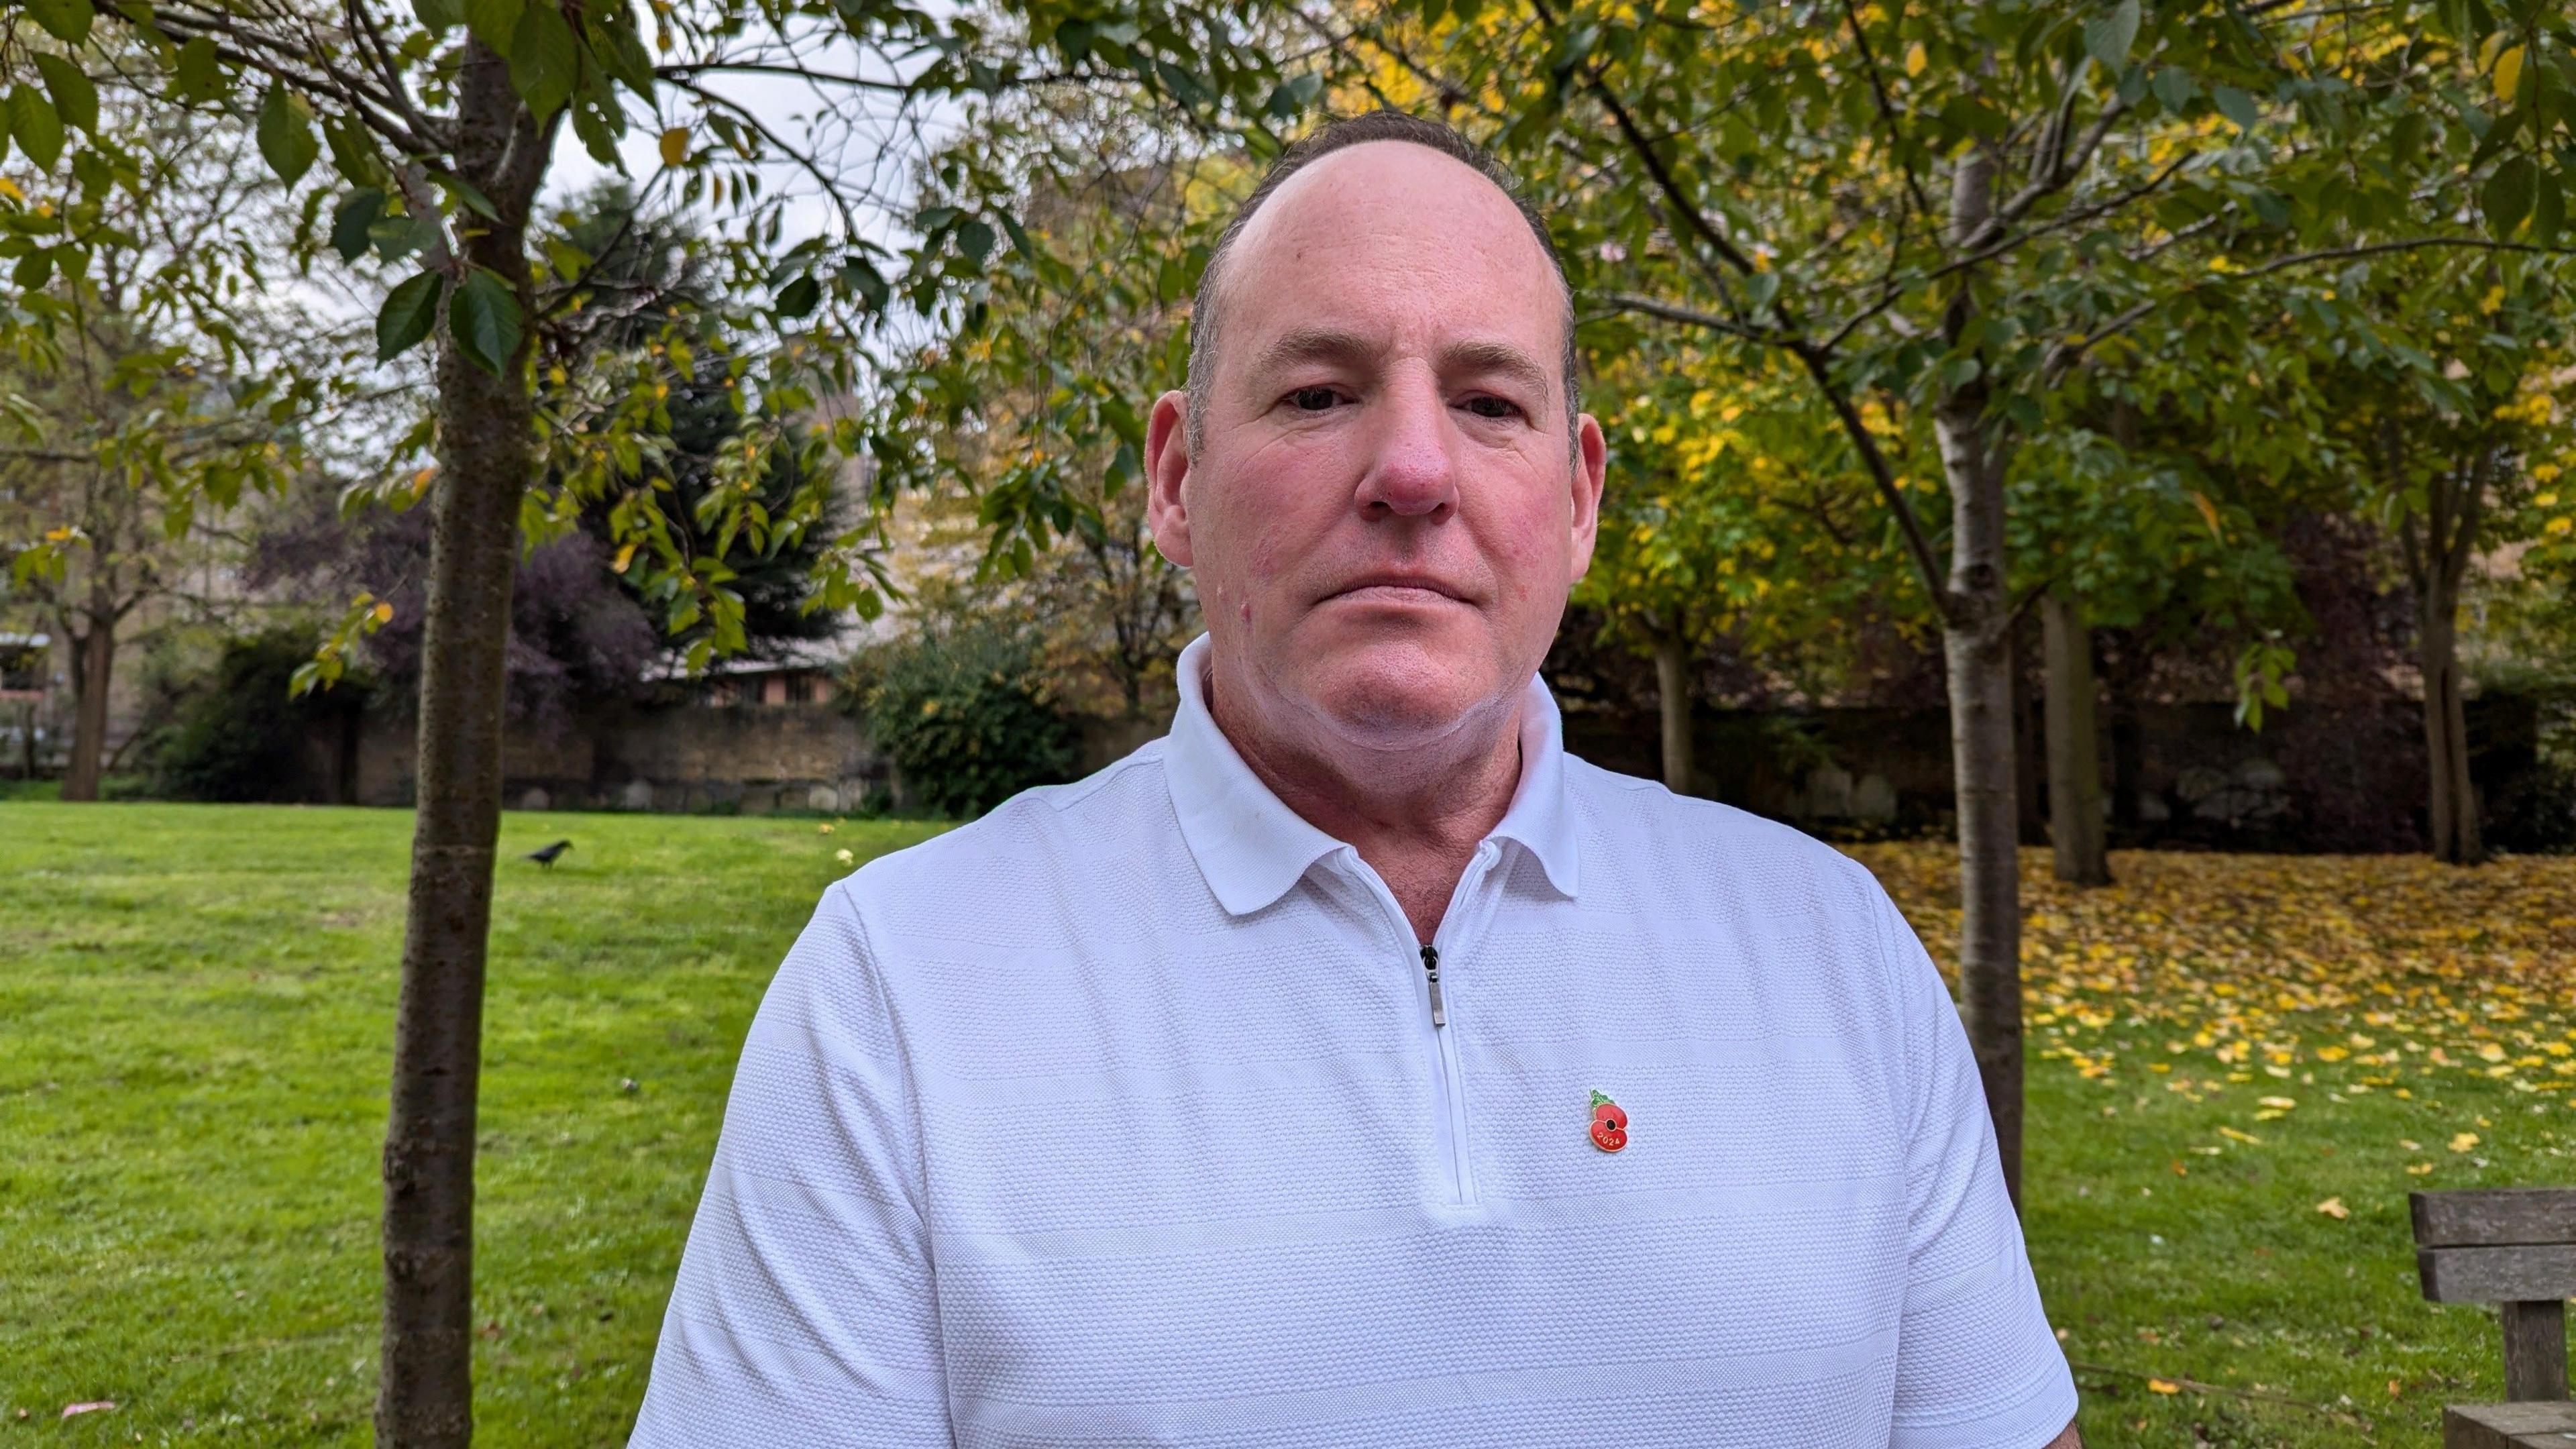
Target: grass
column 194, row 1043
column 194, row 1007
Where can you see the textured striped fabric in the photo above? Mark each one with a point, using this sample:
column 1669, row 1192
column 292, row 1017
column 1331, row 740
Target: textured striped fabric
column 1119, row 1118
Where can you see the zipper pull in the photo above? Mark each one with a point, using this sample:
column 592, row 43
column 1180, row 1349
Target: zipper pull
column 1431, row 970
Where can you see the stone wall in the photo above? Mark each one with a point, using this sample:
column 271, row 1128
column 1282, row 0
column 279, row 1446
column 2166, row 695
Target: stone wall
column 2314, row 778
column 754, row 759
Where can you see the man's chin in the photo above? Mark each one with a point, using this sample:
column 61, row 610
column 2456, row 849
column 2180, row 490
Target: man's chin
column 1398, row 699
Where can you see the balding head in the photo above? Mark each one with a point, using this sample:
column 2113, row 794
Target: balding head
column 1375, row 130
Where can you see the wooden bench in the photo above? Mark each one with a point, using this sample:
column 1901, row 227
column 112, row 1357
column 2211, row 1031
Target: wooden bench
column 2514, row 1248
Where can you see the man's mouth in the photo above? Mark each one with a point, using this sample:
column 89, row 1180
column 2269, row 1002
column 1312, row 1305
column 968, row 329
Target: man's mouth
column 1397, row 588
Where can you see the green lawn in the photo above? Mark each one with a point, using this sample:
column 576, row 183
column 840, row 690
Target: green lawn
column 193, row 1043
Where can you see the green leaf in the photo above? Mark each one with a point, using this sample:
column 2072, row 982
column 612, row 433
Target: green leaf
column 351, row 225
column 2548, row 211
column 493, row 22
column 38, row 130
column 2235, row 105
column 975, row 239
column 2173, row 85
column 75, row 98
column 353, row 154
column 483, row 317
column 439, row 15
column 619, row 49
column 545, row 58
column 799, row 297
column 464, row 194
column 64, row 20
column 868, row 282
column 2107, row 38
column 2506, row 198
column 1019, row 236
column 194, row 75
column 410, row 310
column 286, row 135
column 591, row 124
column 33, row 271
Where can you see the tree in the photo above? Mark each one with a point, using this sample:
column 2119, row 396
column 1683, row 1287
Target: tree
column 440, row 120
column 2448, row 427
column 1731, row 516
column 1032, row 412
column 127, row 386
column 1950, row 206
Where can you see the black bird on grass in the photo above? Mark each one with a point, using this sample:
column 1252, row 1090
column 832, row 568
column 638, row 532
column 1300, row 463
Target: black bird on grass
column 548, row 856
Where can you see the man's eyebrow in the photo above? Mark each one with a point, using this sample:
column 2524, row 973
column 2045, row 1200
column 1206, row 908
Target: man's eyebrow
column 1486, row 358
column 1313, row 344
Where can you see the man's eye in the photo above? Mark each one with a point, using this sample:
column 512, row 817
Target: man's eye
column 1314, row 399
column 1492, row 407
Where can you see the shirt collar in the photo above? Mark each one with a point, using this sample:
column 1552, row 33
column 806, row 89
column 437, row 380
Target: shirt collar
column 1252, row 848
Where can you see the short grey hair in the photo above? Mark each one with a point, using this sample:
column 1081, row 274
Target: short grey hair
column 1341, row 135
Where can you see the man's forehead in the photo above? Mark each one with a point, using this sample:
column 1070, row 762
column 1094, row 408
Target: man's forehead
column 1381, row 194
column 1382, row 237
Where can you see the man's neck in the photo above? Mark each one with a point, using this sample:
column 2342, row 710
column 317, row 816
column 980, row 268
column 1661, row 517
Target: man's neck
column 1415, row 818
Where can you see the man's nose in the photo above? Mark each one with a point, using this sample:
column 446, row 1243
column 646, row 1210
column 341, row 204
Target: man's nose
column 1412, row 472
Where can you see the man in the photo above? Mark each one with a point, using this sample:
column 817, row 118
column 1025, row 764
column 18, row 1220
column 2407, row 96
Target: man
column 1352, row 1067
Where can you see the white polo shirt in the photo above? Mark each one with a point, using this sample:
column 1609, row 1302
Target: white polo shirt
column 1121, row 1117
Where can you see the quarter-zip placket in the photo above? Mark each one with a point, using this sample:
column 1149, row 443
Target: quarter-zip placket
column 1449, row 1106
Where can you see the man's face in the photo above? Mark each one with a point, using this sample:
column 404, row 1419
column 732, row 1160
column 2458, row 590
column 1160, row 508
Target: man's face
column 1383, row 515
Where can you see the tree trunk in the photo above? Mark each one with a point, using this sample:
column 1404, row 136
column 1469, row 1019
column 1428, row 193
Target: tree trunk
column 487, row 454
column 1673, row 692
column 1978, row 647
column 2030, row 756
column 94, row 666
column 2074, row 747
column 1977, row 641
column 2446, row 737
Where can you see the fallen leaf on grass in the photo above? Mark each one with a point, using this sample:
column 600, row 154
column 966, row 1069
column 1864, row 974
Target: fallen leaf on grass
column 2420, row 1168
column 2464, row 1141
column 2163, row 1386
column 2333, row 1207
column 71, row 1410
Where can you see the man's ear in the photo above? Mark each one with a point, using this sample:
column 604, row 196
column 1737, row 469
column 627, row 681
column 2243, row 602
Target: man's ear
column 1167, row 467
column 1591, row 474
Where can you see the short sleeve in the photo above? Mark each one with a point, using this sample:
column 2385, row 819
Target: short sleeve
column 803, row 1312
column 1976, row 1362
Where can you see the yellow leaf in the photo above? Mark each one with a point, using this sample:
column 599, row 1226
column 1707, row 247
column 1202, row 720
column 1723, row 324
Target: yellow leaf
column 9, row 189
column 2508, row 74
column 383, row 613
column 1916, row 59
column 2208, row 512
column 2491, row 1052
column 2420, row 1168
column 2464, row 1141
column 2333, row 1207
column 625, row 556
column 675, row 145
column 2282, row 1104
column 2163, row 1386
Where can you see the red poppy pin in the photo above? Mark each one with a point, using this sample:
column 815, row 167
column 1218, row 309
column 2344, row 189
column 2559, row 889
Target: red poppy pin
column 1609, row 1124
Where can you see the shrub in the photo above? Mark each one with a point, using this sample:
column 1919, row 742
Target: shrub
column 241, row 737
column 959, row 712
